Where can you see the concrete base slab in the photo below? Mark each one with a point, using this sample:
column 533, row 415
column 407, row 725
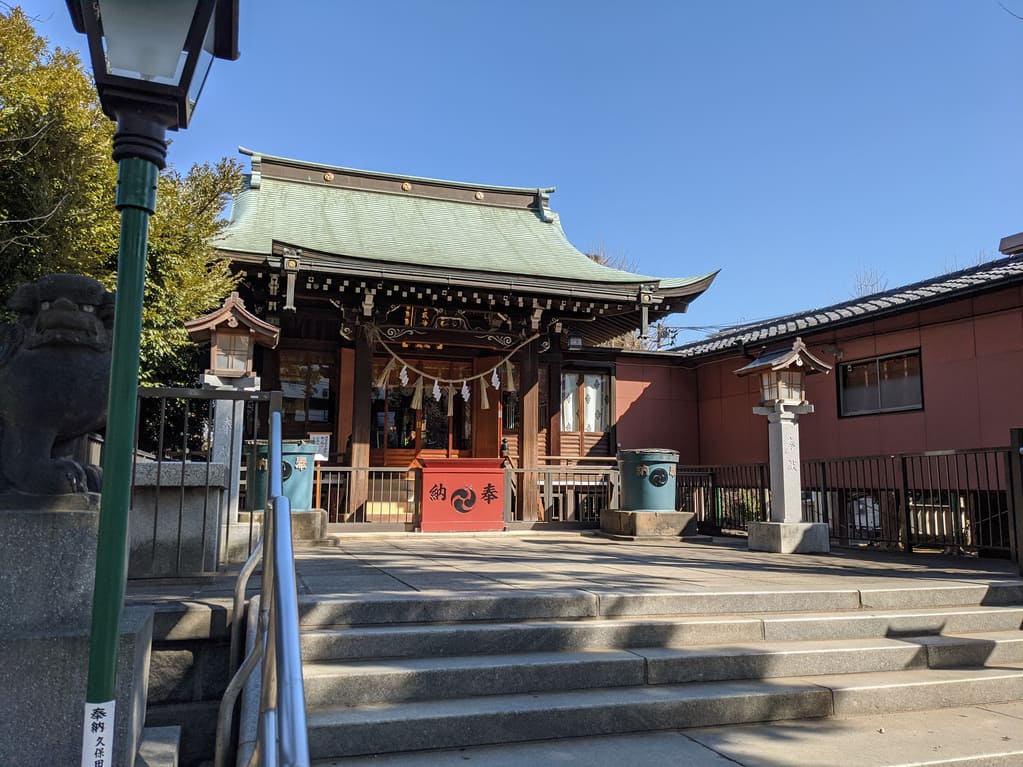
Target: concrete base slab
column 49, row 566
column 237, row 540
column 42, row 683
column 159, row 747
column 310, row 525
column 789, row 537
column 647, row 524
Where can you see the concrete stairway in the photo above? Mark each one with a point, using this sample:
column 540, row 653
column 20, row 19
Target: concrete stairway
column 401, row 674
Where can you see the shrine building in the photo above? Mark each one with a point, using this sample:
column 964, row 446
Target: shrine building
column 425, row 318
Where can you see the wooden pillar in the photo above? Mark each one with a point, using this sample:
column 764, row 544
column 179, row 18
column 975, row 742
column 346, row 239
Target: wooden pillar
column 345, row 404
column 362, row 394
column 529, row 394
column 553, row 424
column 486, row 424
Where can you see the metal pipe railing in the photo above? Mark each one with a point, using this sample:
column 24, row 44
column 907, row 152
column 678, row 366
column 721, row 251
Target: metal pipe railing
column 282, row 738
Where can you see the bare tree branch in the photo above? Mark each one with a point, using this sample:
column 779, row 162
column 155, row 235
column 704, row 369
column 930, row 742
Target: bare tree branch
column 21, row 239
column 1014, row 15
column 42, row 129
column 42, row 217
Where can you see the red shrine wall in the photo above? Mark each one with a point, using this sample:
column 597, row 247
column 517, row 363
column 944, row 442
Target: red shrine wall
column 971, row 363
column 656, row 407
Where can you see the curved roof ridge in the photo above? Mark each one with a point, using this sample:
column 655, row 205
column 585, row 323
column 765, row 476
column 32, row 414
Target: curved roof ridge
column 396, row 176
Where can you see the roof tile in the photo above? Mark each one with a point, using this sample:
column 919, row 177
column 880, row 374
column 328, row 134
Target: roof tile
column 986, row 276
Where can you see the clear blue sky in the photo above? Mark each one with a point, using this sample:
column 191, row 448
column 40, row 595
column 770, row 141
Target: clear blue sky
column 792, row 144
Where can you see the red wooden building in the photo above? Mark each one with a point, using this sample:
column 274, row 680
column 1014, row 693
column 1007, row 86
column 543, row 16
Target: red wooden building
column 426, row 319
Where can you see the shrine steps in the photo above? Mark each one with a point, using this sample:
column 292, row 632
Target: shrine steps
column 411, row 673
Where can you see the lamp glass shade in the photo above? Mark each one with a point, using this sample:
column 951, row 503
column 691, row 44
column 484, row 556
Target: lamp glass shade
column 231, row 353
column 790, row 385
column 147, row 41
column 784, row 385
column 575, row 341
column 202, row 69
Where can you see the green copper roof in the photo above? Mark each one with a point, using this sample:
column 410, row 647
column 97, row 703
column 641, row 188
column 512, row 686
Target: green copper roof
column 409, row 228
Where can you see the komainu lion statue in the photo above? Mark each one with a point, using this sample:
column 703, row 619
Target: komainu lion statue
column 54, row 378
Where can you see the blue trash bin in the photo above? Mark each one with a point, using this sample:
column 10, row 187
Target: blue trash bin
column 298, row 468
column 647, row 479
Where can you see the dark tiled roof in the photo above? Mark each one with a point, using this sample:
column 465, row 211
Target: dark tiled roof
column 939, row 289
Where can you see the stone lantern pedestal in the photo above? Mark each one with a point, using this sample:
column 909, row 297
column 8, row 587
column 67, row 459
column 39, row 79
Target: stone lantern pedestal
column 786, row 533
column 782, row 373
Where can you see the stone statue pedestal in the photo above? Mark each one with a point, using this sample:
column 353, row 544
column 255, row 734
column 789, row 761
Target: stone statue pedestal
column 48, row 555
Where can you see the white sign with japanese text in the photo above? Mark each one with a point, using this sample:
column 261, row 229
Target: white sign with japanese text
column 98, row 735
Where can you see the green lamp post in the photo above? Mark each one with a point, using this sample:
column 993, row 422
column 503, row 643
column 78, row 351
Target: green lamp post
column 150, row 61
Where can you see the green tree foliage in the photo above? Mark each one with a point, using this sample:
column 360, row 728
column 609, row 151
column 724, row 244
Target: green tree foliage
column 184, row 276
column 56, row 178
column 57, row 214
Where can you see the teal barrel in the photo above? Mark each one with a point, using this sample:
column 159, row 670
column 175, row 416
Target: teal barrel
column 647, row 479
column 297, row 473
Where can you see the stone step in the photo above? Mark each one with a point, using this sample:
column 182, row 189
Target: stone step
column 402, row 680
column 425, row 608
column 348, row 731
column 768, row 660
column 976, row 736
column 916, row 622
column 531, row 635
column 506, row 605
column 463, row 722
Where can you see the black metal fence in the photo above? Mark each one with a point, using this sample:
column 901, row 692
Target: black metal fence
column 723, row 497
column 392, row 496
column 187, row 516
column 560, row 495
column 956, row 501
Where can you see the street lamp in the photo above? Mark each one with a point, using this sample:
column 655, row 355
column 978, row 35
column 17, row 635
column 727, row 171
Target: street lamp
column 783, row 399
column 150, row 61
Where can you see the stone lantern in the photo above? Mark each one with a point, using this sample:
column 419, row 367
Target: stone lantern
column 232, row 333
column 783, row 399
